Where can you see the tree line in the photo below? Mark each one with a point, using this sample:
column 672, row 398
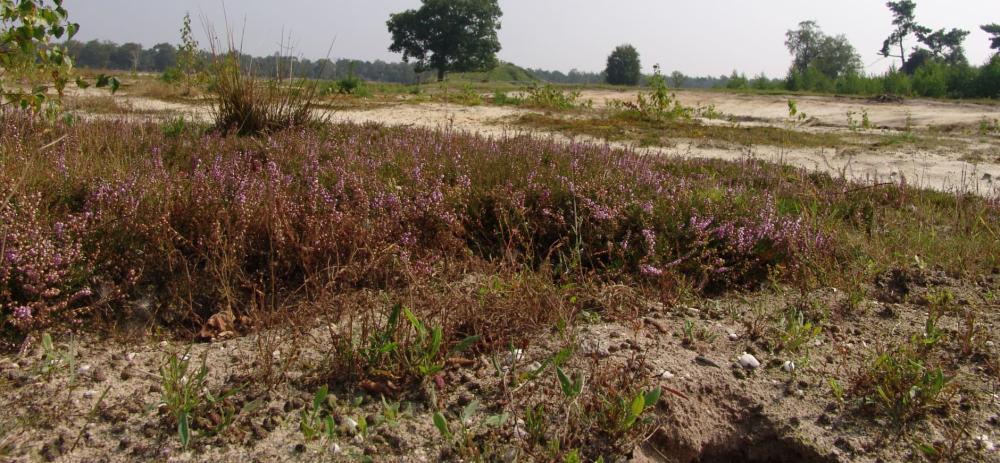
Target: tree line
column 934, row 65
column 163, row 57
column 460, row 35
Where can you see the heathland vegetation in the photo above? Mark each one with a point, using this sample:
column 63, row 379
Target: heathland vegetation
column 265, row 283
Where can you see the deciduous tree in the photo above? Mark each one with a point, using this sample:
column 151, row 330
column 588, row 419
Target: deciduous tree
column 448, row 35
column 623, row 66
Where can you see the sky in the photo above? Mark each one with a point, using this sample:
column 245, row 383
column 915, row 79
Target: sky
column 699, row 37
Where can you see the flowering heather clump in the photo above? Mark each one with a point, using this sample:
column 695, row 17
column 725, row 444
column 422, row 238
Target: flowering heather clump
column 212, row 223
column 44, row 271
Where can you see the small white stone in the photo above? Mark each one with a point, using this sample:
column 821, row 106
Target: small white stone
column 276, row 354
column 84, row 369
column 130, row 356
column 989, row 344
column 749, row 361
column 800, row 393
column 89, row 394
column 985, row 443
column 666, row 375
column 818, row 342
column 15, row 366
column 350, row 423
column 335, row 448
column 788, row 366
column 733, row 336
column 592, row 346
column 534, row 366
column 513, row 356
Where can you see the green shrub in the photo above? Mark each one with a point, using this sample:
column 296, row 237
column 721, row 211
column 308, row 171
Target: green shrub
column 988, row 82
column 931, row 80
column 897, row 83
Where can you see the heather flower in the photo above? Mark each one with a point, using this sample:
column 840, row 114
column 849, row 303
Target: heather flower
column 650, row 271
column 22, row 312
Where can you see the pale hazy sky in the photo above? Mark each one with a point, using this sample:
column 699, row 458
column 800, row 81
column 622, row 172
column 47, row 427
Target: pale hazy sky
column 697, row 37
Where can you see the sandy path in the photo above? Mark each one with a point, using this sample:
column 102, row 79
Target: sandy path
column 828, row 110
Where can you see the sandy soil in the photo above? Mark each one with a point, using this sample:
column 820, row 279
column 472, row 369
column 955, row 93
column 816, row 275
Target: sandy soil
column 938, row 170
column 942, row 169
column 828, row 110
column 105, row 407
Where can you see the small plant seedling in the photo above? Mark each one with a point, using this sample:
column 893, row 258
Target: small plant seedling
column 55, row 360
column 314, row 420
column 423, row 355
column 390, row 412
column 570, row 389
column 793, row 332
column 837, row 389
column 182, row 391
column 462, row 437
column 534, row 423
column 632, row 410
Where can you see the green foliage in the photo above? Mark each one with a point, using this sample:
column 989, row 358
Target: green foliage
column 905, row 22
column 550, row 97
column 837, row 389
column 350, row 84
column 54, row 359
column 189, row 63
column 623, row 66
column 570, row 389
column 690, row 333
column 182, row 391
column 502, row 98
column 629, row 412
column 502, row 73
column 946, row 46
column 382, row 343
column 904, row 385
column 994, row 31
column 812, row 49
column 461, row 436
column 315, row 420
column 28, row 30
column 793, row 332
column 419, row 354
column 175, row 127
column 657, row 105
column 931, row 80
column 737, row 81
column 448, row 35
column 423, row 355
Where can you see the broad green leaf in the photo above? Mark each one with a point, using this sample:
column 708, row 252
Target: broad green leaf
column 470, row 410
column 182, row 429
column 320, row 397
column 652, row 397
column 466, row 343
column 442, row 425
column 638, row 405
column 565, row 383
column 495, row 421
